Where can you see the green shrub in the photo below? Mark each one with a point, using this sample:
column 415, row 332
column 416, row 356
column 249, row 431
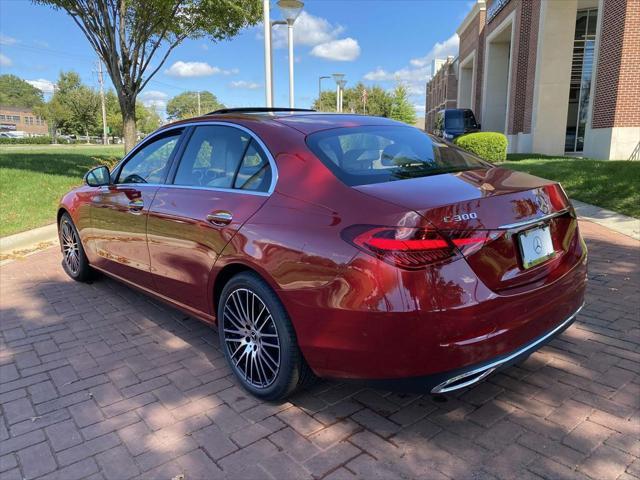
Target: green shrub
column 491, row 146
column 25, row 141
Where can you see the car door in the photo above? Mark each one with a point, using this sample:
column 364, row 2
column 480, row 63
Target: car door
column 223, row 177
column 119, row 211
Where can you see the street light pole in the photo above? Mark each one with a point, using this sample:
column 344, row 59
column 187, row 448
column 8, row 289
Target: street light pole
column 320, row 85
column 341, row 84
column 290, row 11
column 268, row 79
column 290, row 35
column 338, row 78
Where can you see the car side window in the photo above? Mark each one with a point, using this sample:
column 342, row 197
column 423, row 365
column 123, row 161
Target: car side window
column 254, row 172
column 151, row 162
column 212, row 157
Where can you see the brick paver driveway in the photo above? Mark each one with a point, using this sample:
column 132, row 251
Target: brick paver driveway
column 100, row 382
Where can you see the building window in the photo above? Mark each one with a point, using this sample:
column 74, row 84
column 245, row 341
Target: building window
column 15, row 118
column 581, row 73
column 2, row 117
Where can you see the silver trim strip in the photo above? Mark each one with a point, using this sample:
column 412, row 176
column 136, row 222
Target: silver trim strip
column 267, row 152
column 487, row 369
column 533, row 221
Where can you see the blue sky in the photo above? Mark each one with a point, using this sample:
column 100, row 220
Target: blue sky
column 375, row 41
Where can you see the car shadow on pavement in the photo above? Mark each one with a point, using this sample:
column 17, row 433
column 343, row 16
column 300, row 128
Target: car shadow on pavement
column 145, row 391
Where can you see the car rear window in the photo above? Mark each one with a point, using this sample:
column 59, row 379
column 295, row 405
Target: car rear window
column 460, row 120
column 377, row 154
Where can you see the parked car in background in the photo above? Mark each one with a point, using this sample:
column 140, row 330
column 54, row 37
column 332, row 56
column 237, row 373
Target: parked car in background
column 343, row 246
column 453, row 122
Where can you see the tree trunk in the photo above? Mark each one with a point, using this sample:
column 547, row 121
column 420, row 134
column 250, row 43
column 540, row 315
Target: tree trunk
column 129, row 130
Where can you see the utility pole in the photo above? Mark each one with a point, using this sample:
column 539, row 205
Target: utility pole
column 199, row 103
column 105, row 138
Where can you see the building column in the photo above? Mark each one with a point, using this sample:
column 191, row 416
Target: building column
column 553, row 74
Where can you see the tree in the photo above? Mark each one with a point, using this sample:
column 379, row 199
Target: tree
column 15, row 92
column 73, row 108
column 185, row 105
column 55, row 113
column 378, row 101
column 147, row 119
column 82, row 102
column 128, row 35
column 401, row 108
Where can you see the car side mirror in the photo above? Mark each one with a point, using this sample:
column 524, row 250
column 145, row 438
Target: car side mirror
column 98, row 177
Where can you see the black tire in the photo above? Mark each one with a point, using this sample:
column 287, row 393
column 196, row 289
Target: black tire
column 74, row 260
column 247, row 345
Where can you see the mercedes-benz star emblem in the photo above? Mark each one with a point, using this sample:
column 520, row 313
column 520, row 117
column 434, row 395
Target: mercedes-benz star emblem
column 542, row 203
column 537, row 244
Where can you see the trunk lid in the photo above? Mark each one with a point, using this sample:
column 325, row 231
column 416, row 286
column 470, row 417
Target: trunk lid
column 498, row 200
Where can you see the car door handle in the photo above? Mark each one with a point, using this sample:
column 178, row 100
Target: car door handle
column 135, row 206
column 220, row 218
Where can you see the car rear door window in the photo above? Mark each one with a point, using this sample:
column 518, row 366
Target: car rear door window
column 212, row 157
column 254, row 172
column 150, row 163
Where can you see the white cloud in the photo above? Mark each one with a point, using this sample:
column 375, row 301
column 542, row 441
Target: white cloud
column 439, row 50
column 420, row 107
column 154, row 98
column 418, row 72
column 309, row 30
column 344, row 50
column 42, row 84
column 245, row 85
column 196, row 69
column 5, row 61
column 378, row 75
column 7, row 40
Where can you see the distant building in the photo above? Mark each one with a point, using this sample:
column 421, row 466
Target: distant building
column 442, row 89
column 555, row 76
column 15, row 119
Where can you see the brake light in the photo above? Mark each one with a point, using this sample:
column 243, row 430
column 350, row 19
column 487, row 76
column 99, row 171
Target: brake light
column 413, row 248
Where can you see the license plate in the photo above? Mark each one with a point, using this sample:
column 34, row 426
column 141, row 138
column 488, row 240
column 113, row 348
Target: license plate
column 536, row 246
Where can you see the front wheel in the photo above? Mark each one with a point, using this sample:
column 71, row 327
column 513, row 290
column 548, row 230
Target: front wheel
column 74, row 260
column 258, row 339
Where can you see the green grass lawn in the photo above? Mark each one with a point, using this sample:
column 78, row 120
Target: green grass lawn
column 33, row 178
column 610, row 184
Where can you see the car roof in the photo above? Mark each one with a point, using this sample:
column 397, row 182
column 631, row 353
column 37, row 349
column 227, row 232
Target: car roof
column 306, row 122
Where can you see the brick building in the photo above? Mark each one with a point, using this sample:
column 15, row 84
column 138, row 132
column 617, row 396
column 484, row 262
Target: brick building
column 15, row 119
column 441, row 89
column 555, row 76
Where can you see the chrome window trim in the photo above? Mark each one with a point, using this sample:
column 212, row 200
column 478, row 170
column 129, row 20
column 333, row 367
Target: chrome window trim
column 253, row 135
column 533, row 221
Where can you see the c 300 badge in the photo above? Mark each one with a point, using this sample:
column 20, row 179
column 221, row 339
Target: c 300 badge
column 460, row 218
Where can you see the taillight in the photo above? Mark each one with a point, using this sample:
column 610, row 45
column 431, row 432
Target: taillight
column 413, row 248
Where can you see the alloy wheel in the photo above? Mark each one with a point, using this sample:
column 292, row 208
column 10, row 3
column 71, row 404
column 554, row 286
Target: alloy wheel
column 251, row 338
column 70, row 247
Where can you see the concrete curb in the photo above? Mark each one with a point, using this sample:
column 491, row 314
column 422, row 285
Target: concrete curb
column 29, row 239
column 617, row 222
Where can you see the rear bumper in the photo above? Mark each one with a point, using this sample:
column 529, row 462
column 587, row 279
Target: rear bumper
column 420, row 330
column 464, row 377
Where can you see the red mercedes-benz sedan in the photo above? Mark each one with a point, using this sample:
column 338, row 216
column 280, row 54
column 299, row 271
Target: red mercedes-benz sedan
column 339, row 246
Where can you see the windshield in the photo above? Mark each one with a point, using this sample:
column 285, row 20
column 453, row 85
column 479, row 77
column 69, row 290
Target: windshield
column 370, row 154
column 460, row 120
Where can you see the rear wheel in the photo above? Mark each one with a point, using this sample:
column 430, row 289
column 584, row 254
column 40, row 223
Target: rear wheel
column 74, row 260
column 258, row 339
